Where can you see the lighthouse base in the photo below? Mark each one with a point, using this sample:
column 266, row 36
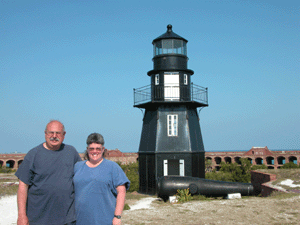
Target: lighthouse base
column 155, row 165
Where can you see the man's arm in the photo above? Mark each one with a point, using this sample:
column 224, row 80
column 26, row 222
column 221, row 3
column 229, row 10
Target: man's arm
column 120, row 203
column 22, row 200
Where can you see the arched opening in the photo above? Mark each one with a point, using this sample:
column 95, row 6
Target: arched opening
column 259, row 161
column 293, row 159
column 270, row 160
column 227, row 159
column 218, row 160
column 271, row 167
column 218, row 168
column 19, row 162
column 238, row 160
column 10, row 164
column 1, row 163
column 250, row 160
column 281, row 160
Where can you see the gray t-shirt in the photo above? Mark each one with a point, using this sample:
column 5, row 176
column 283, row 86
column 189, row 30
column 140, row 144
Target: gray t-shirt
column 49, row 175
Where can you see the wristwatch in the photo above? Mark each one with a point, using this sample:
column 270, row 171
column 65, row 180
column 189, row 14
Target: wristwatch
column 117, row 216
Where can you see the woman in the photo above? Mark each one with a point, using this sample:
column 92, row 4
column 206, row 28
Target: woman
column 100, row 186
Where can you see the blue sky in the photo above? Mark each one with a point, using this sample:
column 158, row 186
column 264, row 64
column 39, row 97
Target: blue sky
column 78, row 61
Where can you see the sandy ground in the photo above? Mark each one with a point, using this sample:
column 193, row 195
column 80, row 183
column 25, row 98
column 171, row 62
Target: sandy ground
column 8, row 210
column 151, row 210
column 252, row 210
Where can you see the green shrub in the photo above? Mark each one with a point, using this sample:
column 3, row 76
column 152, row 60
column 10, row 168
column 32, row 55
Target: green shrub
column 184, row 195
column 259, row 167
column 126, row 207
column 234, row 172
column 132, row 172
column 289, row 165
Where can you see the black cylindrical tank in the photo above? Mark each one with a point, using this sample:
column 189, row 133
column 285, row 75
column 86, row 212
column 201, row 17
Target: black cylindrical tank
column 168, row 186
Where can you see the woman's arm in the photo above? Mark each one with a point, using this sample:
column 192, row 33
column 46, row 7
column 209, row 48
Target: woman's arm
column 121, row 190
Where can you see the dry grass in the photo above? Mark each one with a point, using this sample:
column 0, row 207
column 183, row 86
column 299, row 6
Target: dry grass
column 7, row 186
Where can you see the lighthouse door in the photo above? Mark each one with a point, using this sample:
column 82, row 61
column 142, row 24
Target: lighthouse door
column 171, row 86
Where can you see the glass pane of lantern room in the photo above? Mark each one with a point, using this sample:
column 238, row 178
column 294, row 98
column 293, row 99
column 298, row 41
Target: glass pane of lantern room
column 184, row 48
column 167, row 46
column 178, row 47
column 158, row 48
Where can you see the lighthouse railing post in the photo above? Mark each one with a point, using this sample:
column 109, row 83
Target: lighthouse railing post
column 192, row 91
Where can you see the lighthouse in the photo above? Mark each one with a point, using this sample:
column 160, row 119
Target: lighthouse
column 171, row 140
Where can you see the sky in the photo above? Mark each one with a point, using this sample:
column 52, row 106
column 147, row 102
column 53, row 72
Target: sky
column 78, row 61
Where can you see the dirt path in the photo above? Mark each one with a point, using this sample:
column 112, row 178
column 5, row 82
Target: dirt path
column 252, row 210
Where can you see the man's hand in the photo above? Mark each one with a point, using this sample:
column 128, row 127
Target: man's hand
column 23, row 220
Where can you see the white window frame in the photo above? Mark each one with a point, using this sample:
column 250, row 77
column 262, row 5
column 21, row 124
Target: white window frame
column 185, row 79
column 181, row 167
column 156, row 79
column 172, row 123
column 171, row 86
column 165, row 167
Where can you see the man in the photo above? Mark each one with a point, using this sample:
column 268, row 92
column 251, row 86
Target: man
column 46, row 191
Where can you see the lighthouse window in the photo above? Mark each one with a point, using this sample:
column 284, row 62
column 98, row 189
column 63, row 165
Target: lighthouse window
column 172, row 125
column 184, row 48
column 185, row 79
column 158, row 48
column 156, row 79
column 178, row 47
column 167, row 46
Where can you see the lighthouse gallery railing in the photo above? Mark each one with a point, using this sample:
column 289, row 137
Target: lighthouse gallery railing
column 166, row 93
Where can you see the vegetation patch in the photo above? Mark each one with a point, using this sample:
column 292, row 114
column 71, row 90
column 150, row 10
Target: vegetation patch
column 7, row 184
column 126, row 207
column 233, row 172
column 7, row 170
column 184, row 195
column 132, row 172
column 8, row 189
column 282, row 195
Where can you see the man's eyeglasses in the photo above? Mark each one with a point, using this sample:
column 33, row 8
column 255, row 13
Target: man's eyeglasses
column 51, row 133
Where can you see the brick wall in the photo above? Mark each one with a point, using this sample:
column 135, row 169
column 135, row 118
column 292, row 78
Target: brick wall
column 262, row 183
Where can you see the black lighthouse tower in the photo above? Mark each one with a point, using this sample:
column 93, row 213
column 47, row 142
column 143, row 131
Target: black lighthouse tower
column 171, row 141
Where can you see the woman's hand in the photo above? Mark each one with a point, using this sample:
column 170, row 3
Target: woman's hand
column 116, row 221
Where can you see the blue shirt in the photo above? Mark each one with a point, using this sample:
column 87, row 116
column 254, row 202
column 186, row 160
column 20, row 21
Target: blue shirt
column 96, row 193
column 49, row 175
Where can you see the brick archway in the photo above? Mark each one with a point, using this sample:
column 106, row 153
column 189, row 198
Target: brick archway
column 238, row 160
column 270, row 160
column 10, row 164
column 281, row 160
column 228, row 159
